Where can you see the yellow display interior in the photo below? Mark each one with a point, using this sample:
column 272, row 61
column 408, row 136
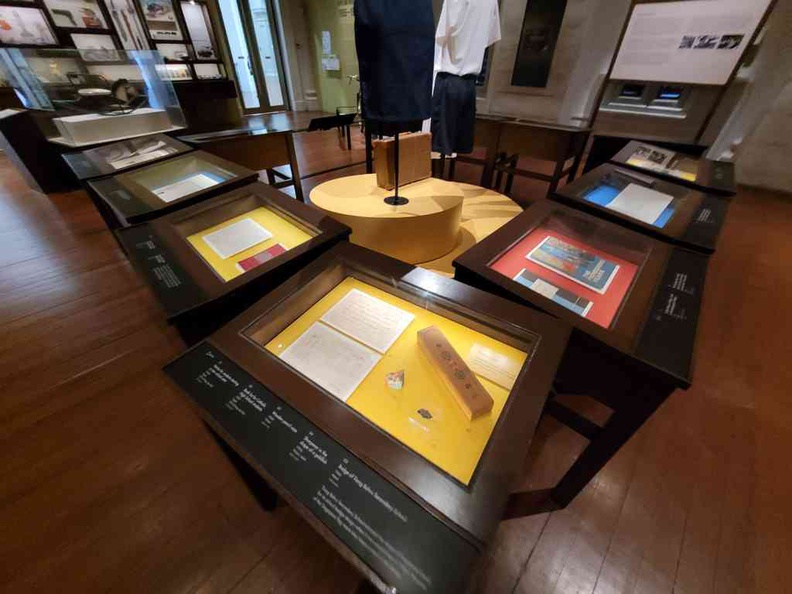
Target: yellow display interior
column 283, row 231
column 447, row 439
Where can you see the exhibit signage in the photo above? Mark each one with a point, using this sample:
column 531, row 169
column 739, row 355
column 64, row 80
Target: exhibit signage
column 174, row 287
column 407, row 547
column 670, row 332
column 693, row 42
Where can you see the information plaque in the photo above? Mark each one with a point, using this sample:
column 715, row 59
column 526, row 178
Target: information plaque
column 402, row 543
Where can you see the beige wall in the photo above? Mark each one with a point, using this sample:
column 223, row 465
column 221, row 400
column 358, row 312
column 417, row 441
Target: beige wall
column 576, row 72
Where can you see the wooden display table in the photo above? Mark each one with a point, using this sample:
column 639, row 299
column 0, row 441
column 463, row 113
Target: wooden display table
column 425, row 229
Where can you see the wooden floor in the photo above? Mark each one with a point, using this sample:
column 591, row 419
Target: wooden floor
column 111, row 484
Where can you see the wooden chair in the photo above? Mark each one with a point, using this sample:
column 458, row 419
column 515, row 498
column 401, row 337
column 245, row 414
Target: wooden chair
column 259, row 150
column 544, row 142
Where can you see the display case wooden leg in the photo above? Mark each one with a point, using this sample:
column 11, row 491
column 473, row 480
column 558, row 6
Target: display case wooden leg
column 620, row 427
column 265, row 495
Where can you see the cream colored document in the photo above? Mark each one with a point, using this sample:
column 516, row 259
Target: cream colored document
column 328, row 358
column 369, row 320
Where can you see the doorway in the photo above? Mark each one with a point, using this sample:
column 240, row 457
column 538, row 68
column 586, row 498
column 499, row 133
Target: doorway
column 252, row 43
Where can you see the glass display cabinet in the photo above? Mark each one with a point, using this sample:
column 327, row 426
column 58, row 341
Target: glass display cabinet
column 633, row 303
column 699, row 173
column 152, row 191
column 206, row 262
column 122, row 156
column 86, row 98
column 662, row 209
column 392, row 407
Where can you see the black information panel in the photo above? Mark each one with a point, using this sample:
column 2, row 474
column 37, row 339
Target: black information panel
column 119, row 198
column 669, row 336
column 81, row 165
column 707, row 222
column 172, row 285
column 402, row 543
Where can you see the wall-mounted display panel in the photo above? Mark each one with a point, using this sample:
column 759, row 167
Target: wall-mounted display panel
column 122, row 156
column 696, row 172
column 250, row 240
column 161, row 20
column 76, row 14
column 199, row 25
column 320, row 450
column 174, row 52
column 20, row 25
column 662, row 209
column 127, row 24
column 696, row 42
column 540, row 30
column 151, row 191
column 209, row 71
column 95, row 48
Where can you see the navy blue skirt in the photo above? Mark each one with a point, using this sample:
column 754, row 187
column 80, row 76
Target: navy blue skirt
column 395, row 48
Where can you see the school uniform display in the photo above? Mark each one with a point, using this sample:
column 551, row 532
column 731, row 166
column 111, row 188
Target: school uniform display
column 465, row 30
column 394, row 41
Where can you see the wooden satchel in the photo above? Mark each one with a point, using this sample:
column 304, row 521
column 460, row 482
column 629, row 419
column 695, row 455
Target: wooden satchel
column 415, row 159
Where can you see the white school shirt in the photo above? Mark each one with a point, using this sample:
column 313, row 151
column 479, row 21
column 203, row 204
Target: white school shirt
column 465, row 30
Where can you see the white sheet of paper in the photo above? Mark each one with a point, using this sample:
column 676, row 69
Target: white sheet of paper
column 328, row 358
column 643, row 204
column 194, row 183
column 140, row 158
column 370, row 320
column 494, row 366
column 236, row 237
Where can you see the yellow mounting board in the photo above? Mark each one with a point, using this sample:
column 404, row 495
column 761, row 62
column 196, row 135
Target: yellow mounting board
column 283, row 232
column 447, row 439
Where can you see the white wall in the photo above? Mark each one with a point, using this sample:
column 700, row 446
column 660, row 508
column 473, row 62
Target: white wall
column 759, row 130
column 298, row 56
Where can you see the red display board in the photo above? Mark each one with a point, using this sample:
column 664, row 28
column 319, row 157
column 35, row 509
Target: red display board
column 604, row 307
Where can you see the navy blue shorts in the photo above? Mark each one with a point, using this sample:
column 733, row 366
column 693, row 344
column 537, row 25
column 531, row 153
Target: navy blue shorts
column 453, row 113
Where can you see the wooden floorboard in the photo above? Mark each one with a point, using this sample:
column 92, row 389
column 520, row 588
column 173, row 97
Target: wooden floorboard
column 110, row 483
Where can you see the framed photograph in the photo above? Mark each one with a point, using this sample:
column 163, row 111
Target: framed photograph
column 76, row 14
column 209, row 71
column 196, row 17
column 161, row 20
column 25, row 26
column 174, row 71
column 174, row 52
column 127, row 23
column 95, row 48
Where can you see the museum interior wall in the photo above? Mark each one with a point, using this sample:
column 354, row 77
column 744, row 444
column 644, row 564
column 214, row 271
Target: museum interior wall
column 757, row 130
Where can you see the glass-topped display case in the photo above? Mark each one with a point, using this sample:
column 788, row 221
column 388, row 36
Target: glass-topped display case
column 629, row 291
column 700, row 173
column 122, row 156
column 401, row 397
column 151, row 191
column 660, row 208
column 245, row 241
column 632, row 300
column 85, row 98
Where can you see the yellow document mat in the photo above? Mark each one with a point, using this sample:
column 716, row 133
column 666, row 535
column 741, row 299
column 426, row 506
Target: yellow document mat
column 448, row 439
column 283, row 232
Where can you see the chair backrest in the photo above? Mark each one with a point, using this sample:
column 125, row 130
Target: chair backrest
column 538, row 142
column 257, row 152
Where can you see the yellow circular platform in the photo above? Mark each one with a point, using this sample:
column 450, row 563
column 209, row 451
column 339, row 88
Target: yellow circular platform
column 424, row 229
